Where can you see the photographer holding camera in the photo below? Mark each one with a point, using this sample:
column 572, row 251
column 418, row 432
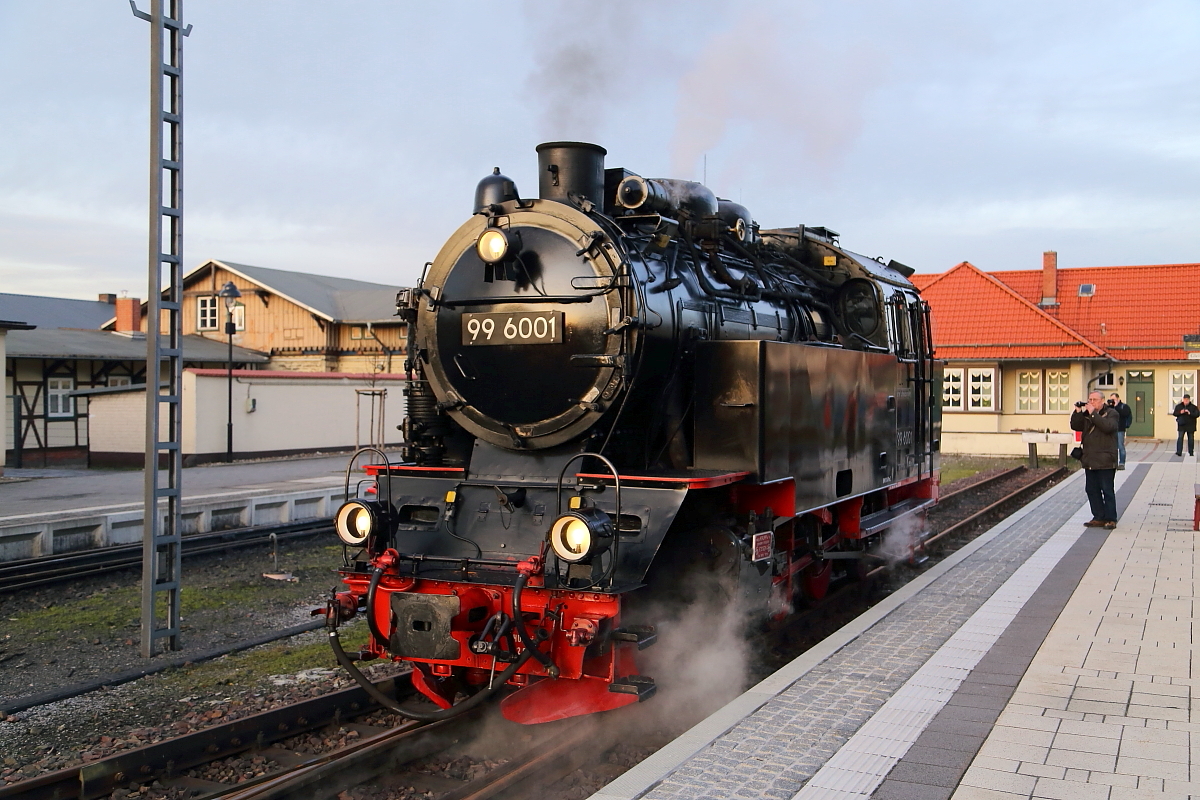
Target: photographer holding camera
column 1099, row 423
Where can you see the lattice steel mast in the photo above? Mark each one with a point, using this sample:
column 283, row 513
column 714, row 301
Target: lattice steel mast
column 161, row 568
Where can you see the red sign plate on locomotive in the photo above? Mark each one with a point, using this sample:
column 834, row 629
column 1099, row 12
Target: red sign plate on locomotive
column 513, row 327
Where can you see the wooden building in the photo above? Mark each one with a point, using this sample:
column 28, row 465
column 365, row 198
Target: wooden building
column 306, row 323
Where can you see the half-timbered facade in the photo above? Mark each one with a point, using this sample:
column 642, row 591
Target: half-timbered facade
column 46, row 420
column 7, row 325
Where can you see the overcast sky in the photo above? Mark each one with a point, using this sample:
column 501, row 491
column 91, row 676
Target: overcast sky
column 346, row 138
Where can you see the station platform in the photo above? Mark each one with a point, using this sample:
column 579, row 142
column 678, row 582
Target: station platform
column 45, row 512
column 72, row 490
column 1043, row 660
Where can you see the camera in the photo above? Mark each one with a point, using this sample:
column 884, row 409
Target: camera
column 1112, row 402
column 1080, row 404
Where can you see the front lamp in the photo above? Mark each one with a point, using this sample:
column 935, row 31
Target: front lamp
column 358, row 520
column 492, row 246
column 581, row 534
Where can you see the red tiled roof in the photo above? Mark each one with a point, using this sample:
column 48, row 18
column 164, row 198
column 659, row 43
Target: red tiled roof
column 1136, row 313
column 922, row 280
column 976, row 316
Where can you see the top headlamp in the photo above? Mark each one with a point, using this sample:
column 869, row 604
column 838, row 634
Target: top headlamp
column 581, row 534
column 492, row 246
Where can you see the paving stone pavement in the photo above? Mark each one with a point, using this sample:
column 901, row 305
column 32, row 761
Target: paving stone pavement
column 772, row 752
column 1107, row 707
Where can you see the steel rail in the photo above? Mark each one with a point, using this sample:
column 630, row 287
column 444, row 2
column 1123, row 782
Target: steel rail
column 1028, row 488
column 542, row 765
column 167, row 758
column 550, row 759
column 327, row 775
column 994, row 479
column 33, row 572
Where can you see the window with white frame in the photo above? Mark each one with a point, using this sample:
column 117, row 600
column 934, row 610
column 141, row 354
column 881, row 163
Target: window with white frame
column 206, row 313
column 1106, row 379
column 952, row 389
column 981, row 389
column 59, row 402
column 1029, row 392
column 1182, row 382
column 239, row 317
column 119, row 380
column 1058, row 391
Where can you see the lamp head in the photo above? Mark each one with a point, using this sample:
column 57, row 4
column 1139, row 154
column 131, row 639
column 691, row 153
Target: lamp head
column 581, row 534
column 230, row 293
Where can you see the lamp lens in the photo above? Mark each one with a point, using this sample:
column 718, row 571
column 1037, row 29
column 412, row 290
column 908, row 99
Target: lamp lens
column 571, row 538
column 576, row 537
column 354, row 523
column 492, row 245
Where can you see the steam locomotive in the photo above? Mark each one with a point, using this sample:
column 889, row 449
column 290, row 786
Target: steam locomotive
column 614, row 390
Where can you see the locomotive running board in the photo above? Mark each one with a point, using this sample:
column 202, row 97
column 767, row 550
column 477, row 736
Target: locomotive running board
column 641, row 635
column 641, row 686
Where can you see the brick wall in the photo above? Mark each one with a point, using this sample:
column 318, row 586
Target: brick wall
column 129, row 314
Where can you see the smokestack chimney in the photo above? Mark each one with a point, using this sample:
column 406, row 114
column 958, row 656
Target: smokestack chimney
column 129, row 315
column 567, row 168
column 1049, row 278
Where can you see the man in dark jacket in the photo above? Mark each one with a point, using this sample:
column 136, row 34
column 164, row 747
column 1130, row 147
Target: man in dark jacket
column 1126, row 419
column 1185, row 417
column 1099, row 421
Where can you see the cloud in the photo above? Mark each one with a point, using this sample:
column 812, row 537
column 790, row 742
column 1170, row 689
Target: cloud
column 351, row 138
column 788, row 77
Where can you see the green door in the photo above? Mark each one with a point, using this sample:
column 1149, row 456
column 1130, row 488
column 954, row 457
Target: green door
column 1140, row 389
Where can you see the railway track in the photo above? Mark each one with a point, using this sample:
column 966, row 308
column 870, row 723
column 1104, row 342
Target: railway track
column 557, row 750
column 974, row 488
column 45, row 570
column 166, row 761
column 382, row 753
column 1004, row 505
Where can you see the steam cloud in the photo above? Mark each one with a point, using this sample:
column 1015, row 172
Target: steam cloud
column 898, row 542
column 774, row 75
column 594, row 62
column 700, row 662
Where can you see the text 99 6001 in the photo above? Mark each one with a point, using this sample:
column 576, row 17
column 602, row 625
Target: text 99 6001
column 516, row 327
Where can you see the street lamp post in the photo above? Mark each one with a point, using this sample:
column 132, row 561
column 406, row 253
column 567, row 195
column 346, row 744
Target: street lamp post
column 231, row 295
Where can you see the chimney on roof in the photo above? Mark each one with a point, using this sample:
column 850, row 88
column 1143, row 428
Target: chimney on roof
column 129, row 315
column 111, row 299
column 1049, row 278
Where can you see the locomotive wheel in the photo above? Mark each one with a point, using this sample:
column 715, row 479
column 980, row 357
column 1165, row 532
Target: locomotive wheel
column 718, row 551
column 716, row 561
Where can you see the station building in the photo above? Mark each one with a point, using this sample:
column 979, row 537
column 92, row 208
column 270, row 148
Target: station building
column 52, row 364
column 1023, row 346
column 7, row 325
column 302, row 322
column 74, row 386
